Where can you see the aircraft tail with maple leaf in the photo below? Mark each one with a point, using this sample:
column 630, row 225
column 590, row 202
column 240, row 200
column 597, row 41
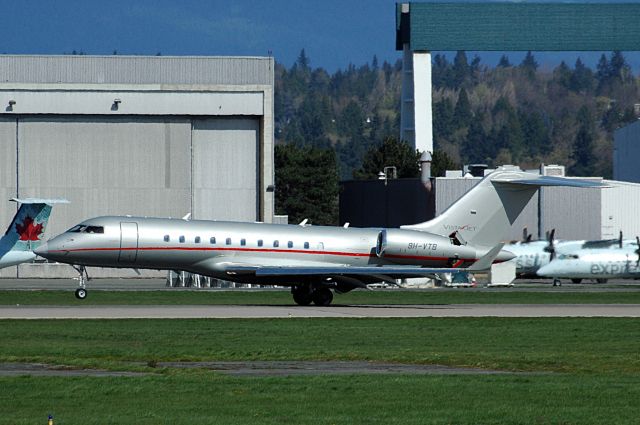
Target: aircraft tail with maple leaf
column 26, row 231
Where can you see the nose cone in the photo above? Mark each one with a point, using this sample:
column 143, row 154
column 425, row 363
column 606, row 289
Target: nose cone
column 548, row 270
column 505, row 256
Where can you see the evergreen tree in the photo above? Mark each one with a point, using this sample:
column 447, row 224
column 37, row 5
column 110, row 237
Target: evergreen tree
column 443, row 124
column 441, row 162
column 583, row 156
column 582, row 78
column 504, row 62
column 306, row 184
column 462, row 114
column 440, row 72
column 460, row 69
column 529, row 65
column 617, row 66
column 562, row 75
column 603, row 72
column 392, row 153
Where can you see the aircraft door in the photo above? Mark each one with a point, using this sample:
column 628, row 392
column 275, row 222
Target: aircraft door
column 128, row 242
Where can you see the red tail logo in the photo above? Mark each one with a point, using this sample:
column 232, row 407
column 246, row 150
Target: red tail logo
column 28, row 231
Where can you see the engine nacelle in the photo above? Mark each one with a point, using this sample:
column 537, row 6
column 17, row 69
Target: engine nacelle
column 415, row 247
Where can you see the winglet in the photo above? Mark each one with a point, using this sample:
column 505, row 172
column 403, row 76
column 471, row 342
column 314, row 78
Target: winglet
column 485, row 262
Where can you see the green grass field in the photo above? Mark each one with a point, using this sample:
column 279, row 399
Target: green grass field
column 582, row 371
column 271, row 297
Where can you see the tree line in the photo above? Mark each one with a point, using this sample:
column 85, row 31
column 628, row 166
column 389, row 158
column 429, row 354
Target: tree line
column 510, row 113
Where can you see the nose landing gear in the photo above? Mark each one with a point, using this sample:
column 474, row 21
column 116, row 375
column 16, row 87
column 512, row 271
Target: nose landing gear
column 81, row 292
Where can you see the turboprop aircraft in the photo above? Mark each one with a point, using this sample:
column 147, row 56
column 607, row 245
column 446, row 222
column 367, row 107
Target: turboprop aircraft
column 26, row 229
column 313, row 260
column 600, row 263
column 532, row 255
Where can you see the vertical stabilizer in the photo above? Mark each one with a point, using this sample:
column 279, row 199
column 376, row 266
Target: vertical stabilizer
column 27, row 228
column 484, row 215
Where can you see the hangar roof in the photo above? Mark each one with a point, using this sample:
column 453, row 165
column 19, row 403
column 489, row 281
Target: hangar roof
column 117, row 69
column 507, row 26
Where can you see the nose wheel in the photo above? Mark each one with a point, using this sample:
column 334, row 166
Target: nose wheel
column 81, row 292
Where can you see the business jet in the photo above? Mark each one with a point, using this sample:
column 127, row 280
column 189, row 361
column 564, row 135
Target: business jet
column 26, row 229
column 313, row 260
column 599, row 264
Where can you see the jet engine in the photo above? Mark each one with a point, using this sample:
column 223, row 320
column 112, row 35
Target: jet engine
column 407, row 246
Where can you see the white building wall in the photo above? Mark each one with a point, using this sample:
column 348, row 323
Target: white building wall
column 620, row 207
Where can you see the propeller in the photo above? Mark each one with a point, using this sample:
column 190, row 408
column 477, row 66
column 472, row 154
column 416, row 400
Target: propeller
column 620, row 240
column 638, row 251
column 526, row 236
column 550, row 248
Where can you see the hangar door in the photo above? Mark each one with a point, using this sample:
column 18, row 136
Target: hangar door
column 106, row 165
column 226, row 168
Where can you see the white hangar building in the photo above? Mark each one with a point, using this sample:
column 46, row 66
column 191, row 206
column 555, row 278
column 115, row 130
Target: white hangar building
column 151, row 136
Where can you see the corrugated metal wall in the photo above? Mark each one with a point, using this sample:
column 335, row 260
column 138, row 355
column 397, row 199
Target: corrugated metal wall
column 106, row 165
column 136, row 70
column 621, row 210
column 226, row 172
column 7, row 170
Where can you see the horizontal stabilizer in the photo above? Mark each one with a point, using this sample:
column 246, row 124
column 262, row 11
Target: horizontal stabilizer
column 39, row 201
column 552, row 181
column 485, row 262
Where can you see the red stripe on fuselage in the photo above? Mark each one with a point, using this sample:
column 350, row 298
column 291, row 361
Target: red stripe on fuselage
column 283, row 251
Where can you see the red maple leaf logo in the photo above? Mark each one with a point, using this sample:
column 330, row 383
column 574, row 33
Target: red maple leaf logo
column 28, row 231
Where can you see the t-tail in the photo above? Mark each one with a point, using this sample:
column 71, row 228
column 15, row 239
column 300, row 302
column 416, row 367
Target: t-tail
column 483, row 215
column 26, row 231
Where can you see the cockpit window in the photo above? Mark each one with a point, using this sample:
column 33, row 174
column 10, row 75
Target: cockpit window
column 568, row 257
column 82, row 228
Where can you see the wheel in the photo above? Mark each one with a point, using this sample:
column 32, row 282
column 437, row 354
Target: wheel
column 81, row 293
column 601, row 280
column 302, row 295
column 557, row 282
column 322, row 297
column 576, row 280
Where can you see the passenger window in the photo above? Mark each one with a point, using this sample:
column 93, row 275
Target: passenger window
column 197, row 240
column 259, row 242
column 167, row 238
column 276, row 244
column 290, row 244
column 212, row 241
column 306, row 245
column 243, row 242
column 228, row 241
column 181, row 239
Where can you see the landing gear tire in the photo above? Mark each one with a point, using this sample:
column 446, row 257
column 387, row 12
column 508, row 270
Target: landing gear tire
column 576, row 280
column 601, row 280
column 557, row 282
column 302, row 295
column 322, row 297
column 81, row 293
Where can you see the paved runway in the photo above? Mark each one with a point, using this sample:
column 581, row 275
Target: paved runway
column 254, row 312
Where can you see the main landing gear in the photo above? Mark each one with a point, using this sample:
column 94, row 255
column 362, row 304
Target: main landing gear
column 81, row 292
column 306, row 294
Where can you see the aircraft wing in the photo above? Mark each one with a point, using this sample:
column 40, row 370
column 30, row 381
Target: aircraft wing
column 372, row 272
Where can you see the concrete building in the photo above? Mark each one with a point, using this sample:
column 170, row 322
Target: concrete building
column 626, row 153
column 154, row 136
